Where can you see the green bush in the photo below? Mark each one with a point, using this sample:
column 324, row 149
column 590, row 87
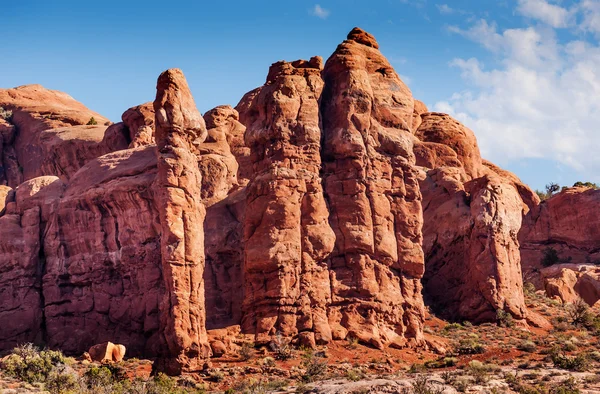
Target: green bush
column 421, row 385
column 504, row 318
column 527, row 346
column 92, row 122
column 314, row 366
column 579, row 363
column 29, row 364
column 62, row 380
column 585, row 184
column 355, row 375
column 470, row 345
column 246, row 351
column 550, row 257
column 580, row 313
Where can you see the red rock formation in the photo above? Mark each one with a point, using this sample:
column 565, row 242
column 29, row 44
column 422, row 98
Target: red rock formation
column 179, row 131
column 102, row 279
column 568, row 222
column 570, row 282
column 443, row 129
column 286, row 280
column 319, row 216
column 224, row 249
column 21, row 309
column 218, row 165
column 374, row 200
column 140, row 124
column 471, row 225
column 107, row 352
column 37, row 110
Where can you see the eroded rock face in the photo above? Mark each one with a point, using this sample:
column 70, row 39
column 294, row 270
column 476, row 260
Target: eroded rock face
column 46, row 142
column 442, row 129
column 374, row 199
column 569, row 223
column 218, row 165
column 179, row 132
column 21, row 261
column 312, row 210
column 570, row 282
column 139, row 121
column 286, row 279
column 472, row 215
column 102, row 279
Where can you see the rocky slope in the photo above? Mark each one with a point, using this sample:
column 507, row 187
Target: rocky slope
column 328, row 205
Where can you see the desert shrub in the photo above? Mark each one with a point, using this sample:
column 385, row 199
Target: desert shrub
column 417, row 368
column 453, row 327
column 579, row 363
column 550, row 257
column 355, row 375
column 442, row 362
column 352, row 342
column 253, row 386
column 29, row 364
column 529, row 288
column 585, row 184
column 97, row 377
column 504, row 318
column 552, row 188
column 580, row 314
column 568, row 386
column 5, row 114
column 246, row 351
column 527, row 346
column 461, row 385
column 268, row 362
column 542, row 195
column 314, row 366
column 470, row 345
column 281, row 346
column 92, row 122
column 62, row 380
column 422, row 385
column 479, row 371
column 216, row 376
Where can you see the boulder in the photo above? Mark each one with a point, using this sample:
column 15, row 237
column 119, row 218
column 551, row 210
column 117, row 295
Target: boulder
column 107, row 352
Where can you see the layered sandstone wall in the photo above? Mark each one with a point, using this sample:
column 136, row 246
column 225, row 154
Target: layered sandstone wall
column 315, row 209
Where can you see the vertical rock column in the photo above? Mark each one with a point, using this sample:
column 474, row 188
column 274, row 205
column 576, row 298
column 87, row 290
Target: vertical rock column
column 179, row 130
column 373, row 193
column 287, row 234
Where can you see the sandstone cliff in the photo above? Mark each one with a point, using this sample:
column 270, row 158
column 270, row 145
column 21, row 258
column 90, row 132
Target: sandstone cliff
column 314, row 210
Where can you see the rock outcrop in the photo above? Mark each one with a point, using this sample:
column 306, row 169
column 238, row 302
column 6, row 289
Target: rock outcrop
column 314, row 210
column 569, row 224
column 472, row 215
column 139, row 121
column 50, row 135
column 372, row 189
column 570, row 282
column 107, row 352
column 180, row 129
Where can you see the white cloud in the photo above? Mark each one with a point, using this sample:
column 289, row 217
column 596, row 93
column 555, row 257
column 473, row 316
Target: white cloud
column 319, row 12
column 591, row 16
column 541, row 100
column 551, row 14
column 444, row 8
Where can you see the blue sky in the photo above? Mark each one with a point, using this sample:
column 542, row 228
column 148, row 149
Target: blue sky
column 523, row 74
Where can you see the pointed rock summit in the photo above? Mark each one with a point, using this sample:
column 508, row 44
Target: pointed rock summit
column 362, row 37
